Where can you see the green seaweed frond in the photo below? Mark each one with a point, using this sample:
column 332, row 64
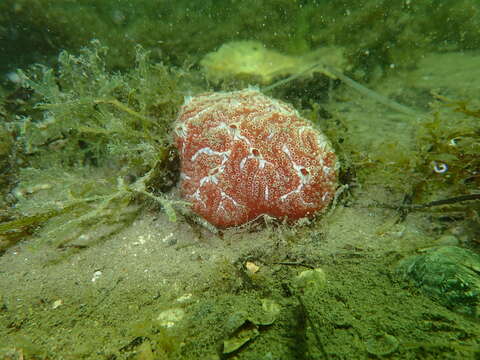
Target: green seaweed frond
column 97, row 149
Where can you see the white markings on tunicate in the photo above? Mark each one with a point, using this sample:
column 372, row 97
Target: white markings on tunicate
column 284, row 197
column 302, row 173
column 282, row 109
column 322, row 143
column 302, row 129
column 325, row 195
column 199, row 115
column 234, row 132
column 254, row 154
column 242, row 162
column 212, row 179
column 181, row 131
column 208, row 151
column 221, row 204
column 287, row 151
column 214, row 173
column 196, row 195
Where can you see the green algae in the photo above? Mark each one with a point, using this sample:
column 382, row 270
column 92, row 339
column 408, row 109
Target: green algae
column 438, row 161
column 377, row 34
column 93, row 144
column 449, row 274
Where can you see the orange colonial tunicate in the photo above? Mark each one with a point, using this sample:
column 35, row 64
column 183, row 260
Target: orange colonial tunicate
column 244, row 155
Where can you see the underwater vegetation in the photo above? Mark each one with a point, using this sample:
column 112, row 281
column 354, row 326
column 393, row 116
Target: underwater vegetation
column 88, row 145
column 449, row 274
column 445, row 155
column 375, row 33
column 83, row 145
column 441, row 164
column 448, row 145
column 86, row 151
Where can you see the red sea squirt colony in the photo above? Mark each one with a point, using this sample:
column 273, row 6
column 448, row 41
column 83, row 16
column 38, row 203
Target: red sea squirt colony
column 244, row 155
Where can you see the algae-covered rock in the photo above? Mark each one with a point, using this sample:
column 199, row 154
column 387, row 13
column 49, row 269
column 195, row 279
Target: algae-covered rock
column 312, row 280
column 246, row 333
column 448, row 274
column 252, row 60
column 246, row 327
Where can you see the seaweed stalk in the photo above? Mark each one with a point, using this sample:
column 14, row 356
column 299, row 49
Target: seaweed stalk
column 353, row 84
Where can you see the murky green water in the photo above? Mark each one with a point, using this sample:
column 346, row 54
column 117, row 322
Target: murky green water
column 102, row 258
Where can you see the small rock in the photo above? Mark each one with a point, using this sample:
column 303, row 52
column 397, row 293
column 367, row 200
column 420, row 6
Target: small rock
column 310, row 279
column 252, row 267
column 170, row 317
column 57, row 303
column 448, row 274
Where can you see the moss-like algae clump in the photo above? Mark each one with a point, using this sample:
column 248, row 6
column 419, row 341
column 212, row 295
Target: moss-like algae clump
column 93, row 144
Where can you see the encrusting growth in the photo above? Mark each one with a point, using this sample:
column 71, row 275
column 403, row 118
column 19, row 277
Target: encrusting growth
column 244, row 155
